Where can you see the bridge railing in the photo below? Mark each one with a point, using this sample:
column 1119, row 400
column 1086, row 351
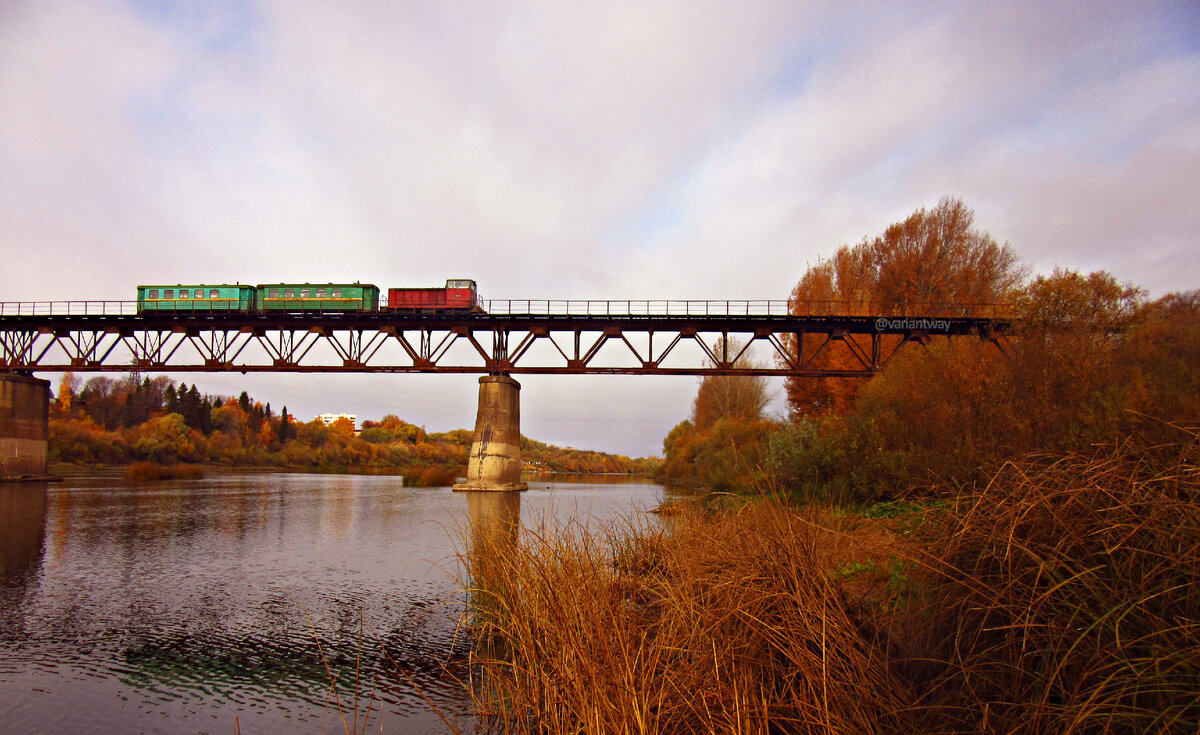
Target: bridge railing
column 565, row 307
column 644, row 307
column 67, row 308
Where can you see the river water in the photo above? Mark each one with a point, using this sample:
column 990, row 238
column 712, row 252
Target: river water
column 229, row 603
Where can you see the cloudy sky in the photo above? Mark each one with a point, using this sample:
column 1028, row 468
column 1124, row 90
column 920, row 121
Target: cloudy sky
column 703, row 150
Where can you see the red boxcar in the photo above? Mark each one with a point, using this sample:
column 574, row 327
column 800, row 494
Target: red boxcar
column 458, row 295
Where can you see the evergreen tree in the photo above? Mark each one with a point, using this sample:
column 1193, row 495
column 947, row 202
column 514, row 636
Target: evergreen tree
column 285, row 426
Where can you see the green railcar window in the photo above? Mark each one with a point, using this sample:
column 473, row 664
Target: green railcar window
column 337, row 293
column 214, row 293
column 152, row 293
column 304, row 293
column 320, row 293
column 289, row 293
column 169, row 293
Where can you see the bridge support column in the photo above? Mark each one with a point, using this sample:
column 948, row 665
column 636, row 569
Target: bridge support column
column 495, row 461
column 24, row 426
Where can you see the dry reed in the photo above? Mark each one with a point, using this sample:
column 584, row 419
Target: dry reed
column 1067, row 598
column 724, row 624
column 428, row 476
column 152, row 471
column 1064, row 598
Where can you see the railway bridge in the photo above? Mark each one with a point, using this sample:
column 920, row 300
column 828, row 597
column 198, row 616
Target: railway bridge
column 501, row 339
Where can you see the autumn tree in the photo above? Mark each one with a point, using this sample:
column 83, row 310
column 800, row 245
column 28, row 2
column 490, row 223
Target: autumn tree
column 934, row 263
column 720, row 446
column 1068, row 327
column 729, row 396
column 1087, row 357
column 67, row 388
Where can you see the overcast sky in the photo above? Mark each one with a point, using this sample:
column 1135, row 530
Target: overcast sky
column 703, row 150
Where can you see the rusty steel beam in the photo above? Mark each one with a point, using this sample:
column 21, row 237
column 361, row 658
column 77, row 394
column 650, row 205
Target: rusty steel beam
column 487, row 343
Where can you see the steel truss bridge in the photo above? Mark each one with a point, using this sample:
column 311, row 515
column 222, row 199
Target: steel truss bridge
column 508, row 337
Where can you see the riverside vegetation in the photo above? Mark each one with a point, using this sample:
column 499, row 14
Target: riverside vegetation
column 978, row 540
column 167, row 429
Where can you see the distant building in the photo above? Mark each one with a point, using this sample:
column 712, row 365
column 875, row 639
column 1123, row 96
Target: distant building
column 330, row 418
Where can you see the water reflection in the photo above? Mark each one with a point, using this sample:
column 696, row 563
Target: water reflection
column 22, row 528
column 180, row 605
column 495, row 519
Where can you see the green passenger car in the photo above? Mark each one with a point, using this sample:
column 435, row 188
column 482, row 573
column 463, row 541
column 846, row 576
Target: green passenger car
column 196, row 297
column 318, row 297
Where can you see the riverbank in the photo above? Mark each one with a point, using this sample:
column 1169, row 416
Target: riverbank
column 1063, row 596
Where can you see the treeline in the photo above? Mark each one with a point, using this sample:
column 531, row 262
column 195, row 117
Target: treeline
column 142, row 419
column 541, row 457
column 1089, row 361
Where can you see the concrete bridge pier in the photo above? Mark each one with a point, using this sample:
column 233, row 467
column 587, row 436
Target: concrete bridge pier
column 495, row 461
column 24, row 426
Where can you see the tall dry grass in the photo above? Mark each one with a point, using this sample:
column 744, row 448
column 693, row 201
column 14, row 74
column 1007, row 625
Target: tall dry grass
column 152, row 471
column 1064, row 598
column 428, row 476
column 722, row 624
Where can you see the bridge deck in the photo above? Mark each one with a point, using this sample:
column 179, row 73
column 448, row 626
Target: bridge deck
column 569, row 337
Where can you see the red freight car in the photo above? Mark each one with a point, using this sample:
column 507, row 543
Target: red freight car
column 458, row 295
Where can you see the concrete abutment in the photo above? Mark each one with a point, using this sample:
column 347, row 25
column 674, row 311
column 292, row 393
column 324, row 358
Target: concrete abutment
column 495, row 461
column 24, row 426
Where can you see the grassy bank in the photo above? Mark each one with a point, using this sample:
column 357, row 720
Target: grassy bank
column 1065, row 597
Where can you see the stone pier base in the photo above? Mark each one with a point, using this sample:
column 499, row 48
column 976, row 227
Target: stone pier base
column 24, row 426
column 495, row 461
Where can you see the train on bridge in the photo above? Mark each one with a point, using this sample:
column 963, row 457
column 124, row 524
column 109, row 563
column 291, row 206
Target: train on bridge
column 458, row 295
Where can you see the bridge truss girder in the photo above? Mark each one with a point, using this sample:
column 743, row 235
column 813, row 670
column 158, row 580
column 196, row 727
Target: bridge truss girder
column 534, row 344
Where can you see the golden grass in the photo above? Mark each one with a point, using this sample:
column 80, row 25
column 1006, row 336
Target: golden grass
column 724, row 624
column 152, row 471
column 1063, row 598
column 1067, row 597
column 428, row 476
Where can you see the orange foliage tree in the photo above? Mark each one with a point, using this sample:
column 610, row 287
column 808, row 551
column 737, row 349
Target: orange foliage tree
column 1089, row 361
column 934, row 263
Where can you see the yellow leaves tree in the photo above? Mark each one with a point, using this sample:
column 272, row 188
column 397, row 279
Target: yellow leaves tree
column 67, row 388
column 934, row 263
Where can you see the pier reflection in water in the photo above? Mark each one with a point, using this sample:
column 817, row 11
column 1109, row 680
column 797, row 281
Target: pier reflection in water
column 179, row 605
column 22, row 525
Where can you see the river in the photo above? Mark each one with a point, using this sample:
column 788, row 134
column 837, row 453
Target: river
column 179, row 606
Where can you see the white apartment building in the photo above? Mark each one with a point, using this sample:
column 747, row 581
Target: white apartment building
column 329, row 418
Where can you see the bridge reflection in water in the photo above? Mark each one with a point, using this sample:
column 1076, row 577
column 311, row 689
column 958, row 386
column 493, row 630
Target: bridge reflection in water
column 22, row 531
